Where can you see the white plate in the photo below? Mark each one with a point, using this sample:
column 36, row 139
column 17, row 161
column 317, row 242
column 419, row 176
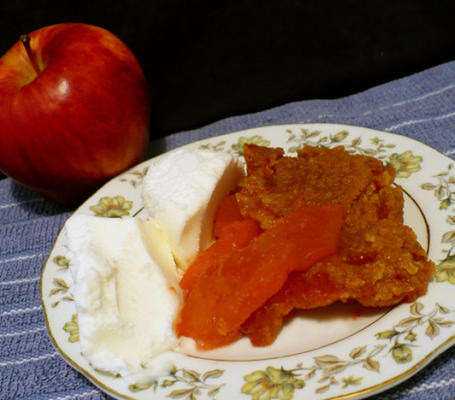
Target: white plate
column 335, row 352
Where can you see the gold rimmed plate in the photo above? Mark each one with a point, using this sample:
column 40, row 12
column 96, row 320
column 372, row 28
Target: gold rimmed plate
column 342, row 351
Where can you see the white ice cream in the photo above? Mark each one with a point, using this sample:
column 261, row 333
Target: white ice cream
column 126, row 294
column 182, row 190
column 125, row 279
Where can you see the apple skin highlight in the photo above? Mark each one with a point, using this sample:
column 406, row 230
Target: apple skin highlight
column 82, row 120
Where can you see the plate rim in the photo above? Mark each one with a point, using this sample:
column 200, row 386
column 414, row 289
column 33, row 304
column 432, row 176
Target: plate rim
column 365, row 392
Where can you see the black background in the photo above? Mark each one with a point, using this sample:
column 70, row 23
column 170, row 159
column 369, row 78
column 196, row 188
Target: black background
column 206, row 60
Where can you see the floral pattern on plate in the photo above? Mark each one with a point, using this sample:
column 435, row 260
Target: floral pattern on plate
column 364, row 360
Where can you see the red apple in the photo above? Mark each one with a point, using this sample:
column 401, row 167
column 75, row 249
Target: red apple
column 74, row 110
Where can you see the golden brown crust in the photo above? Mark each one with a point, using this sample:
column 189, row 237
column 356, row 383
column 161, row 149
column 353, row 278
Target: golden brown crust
column 379, row 263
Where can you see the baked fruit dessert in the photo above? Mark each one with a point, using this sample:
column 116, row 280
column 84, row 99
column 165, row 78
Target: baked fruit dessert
column 341, row 207
column 379, row 261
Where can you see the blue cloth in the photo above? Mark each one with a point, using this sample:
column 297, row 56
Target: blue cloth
column 421, row 106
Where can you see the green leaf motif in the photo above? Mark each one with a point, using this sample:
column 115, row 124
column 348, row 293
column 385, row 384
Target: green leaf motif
column 444, row 204
column 388, row 334
column 432, row 329
column 327, row 359
column 175, row 394
column 448, row 237
column 339, row 137
column 137, row 387
column 371, row 365
column 72, row 328
column 136, row 177
column 405, row 163
column 213, row 147
column 428, row 186
column 411, row 337
column 445, row 270
column 61, row 261
column 112, row 207
column 167, row 382
column 357, row 352
column 186, row 383
column 402, row 353
column 351, row 380
column 272, row 383
column 416, row 308
column 214, row 373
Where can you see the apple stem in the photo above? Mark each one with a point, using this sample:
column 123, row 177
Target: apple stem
column 25, row 39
